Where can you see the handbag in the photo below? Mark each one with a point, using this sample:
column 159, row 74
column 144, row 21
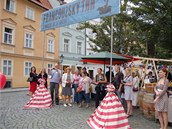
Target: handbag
column 100, row 91
column 122, row 89
column 135, row 89
column 30, row 79
column 79, row 88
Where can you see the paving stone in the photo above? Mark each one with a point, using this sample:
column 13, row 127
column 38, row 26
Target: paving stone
column 13, row 116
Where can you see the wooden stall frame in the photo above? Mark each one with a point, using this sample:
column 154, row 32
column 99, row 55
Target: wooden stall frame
column 153, row 60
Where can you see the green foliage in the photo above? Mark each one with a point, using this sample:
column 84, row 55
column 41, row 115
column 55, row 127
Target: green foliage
column 154, row 18
column 145, row 31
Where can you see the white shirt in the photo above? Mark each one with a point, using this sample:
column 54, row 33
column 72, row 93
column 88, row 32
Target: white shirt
column 64, row 78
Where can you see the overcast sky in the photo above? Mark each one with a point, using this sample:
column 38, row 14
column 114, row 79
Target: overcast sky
column 68, row 1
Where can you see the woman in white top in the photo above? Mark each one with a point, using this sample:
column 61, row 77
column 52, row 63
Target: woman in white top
column 67, row 80
column 136, row 81
column 128, row 90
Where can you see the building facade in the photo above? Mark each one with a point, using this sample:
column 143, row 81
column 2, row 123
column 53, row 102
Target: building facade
column 22, row 43
column 72, row 43
column 72, row 47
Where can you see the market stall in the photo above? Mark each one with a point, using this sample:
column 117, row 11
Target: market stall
column 146, row 94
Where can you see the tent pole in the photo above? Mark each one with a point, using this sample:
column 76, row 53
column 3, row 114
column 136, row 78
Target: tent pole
column 155, row 59
column 155, row 69
column 111, row 49
column 104, row 67
column 43, row 52
column 144, row 75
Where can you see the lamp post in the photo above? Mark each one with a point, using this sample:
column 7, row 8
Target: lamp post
column 61, row 62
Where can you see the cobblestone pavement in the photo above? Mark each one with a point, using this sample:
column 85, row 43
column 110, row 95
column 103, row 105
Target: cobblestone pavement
column 13, row 116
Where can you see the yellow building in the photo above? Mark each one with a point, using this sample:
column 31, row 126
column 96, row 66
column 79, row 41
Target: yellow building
column 21, row 44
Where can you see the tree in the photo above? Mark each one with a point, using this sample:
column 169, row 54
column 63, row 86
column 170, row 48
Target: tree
column 124, row 40
column 145, row 30
column 154, row 19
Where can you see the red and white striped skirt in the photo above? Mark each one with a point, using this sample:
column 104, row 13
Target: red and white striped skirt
column 109, row 115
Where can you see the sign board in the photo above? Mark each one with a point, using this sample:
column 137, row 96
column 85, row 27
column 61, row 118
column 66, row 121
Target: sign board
column 78, row 11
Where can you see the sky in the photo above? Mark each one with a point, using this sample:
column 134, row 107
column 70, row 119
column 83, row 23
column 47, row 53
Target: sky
column 68, row 1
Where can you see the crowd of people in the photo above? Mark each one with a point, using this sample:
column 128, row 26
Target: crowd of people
column 126, row 85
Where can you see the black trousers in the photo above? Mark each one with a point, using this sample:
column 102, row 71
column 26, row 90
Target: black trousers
column 100, row 94
column 54, row 87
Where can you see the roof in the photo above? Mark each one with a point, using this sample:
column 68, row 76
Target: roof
column 42, row 3
column 104, row 58
column 105, row 55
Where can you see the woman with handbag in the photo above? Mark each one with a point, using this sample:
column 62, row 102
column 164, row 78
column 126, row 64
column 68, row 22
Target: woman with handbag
column 136, row 82
column 84, row 84
column 33, row 80
column 67, row 80
column 76, row 78
column 100, row 80
column 128, row 90
column 161, row 100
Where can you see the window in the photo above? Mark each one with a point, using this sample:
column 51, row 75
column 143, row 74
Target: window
column 66, row 45
column 28, row 40
column 7, row 67
column 10, row 5
column 27, row 67
column 8, row 35
column 79, row 47
column 30, row 13
column 50, row 45
column 50, row 66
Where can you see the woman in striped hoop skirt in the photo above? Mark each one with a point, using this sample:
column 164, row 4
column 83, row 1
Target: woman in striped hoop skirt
column 110, row 113
column 41, row 97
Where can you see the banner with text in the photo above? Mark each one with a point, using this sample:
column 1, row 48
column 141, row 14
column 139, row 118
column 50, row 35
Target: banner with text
column 78, row 11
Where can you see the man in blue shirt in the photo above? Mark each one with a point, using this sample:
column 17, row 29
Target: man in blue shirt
column 54, row 83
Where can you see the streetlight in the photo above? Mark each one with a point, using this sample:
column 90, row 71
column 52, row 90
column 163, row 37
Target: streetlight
column 61, row 61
